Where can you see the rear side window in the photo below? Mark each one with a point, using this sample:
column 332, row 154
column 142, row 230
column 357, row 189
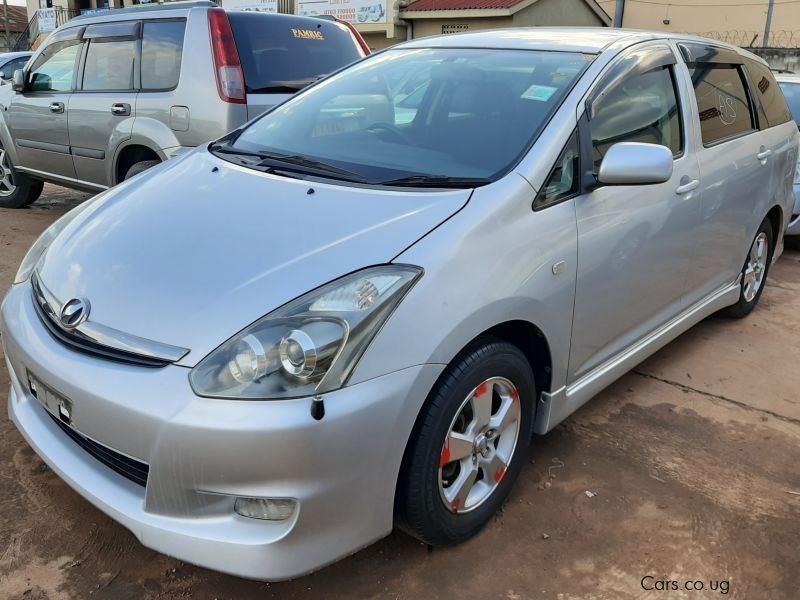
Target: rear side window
column 771, row 104
column 722, row 101
column 162, row 48
column 283, row 54
column 109, row 65
column 642, row 108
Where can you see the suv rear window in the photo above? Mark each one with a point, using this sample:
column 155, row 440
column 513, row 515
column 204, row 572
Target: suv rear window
column 282, row 54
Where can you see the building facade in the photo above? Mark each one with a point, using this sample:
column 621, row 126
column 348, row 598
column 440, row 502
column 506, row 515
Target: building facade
column 437, row 17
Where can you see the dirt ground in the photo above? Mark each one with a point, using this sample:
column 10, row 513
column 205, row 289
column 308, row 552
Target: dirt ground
column 693, row 458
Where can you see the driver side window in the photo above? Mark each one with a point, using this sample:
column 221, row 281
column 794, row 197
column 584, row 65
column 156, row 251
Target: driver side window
column 55, row 67
column 11, row 66
column 642, row 108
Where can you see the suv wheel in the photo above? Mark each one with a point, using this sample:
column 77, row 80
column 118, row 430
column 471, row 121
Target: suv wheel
column 754, row 272
column 17, row 190
column 468, row 446
column 140, row 166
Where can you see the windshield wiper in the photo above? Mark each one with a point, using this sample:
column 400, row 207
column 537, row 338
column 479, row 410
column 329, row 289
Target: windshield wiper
column 437, row 181
column 275, row 162
column 227, row 149
column 285, row 87
column 309, row 166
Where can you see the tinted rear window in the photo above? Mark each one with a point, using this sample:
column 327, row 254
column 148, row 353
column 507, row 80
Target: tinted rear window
column 772, row 109
column 722, row 101
column 284, row 54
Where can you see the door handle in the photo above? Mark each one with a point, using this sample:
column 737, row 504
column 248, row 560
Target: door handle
column 687, row 185
column 121, row 109
column 765, row 152
column 57, row 107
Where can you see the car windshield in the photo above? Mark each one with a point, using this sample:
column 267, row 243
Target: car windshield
column 417, row 116
column 792, row 93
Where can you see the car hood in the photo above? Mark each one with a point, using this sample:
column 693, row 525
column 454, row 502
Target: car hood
column 191, row 252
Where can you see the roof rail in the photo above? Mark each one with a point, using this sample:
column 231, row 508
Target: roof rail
column 150, row 8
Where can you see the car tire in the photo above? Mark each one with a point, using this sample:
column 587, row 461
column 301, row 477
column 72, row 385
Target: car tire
column 139, row 167
column 17, row 190
column 754, row 272
column 431, row 503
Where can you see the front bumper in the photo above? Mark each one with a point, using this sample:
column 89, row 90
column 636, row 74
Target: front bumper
column 202, row 453
column 793, row 228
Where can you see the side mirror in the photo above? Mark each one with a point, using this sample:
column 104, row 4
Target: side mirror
column 18, row 80
column 634, row 163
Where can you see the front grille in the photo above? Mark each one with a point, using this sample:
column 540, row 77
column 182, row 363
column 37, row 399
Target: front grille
column 86, row 346
column 130, row 468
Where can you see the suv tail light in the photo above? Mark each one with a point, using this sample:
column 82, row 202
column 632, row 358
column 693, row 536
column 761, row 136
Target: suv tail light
column 356, row 35
column 227, row 66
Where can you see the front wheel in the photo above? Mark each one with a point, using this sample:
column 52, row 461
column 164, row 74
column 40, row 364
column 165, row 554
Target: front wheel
column 468, row 446
column 140, row 167
column 754, row 272
column 17, row 190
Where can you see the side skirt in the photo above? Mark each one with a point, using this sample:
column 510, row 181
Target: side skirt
column 76, row 184
column 556, row 406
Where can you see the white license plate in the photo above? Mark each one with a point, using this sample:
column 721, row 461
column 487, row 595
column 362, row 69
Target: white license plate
column 56, row 404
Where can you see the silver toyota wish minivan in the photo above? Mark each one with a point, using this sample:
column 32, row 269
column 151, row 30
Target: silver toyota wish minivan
column 354, row 312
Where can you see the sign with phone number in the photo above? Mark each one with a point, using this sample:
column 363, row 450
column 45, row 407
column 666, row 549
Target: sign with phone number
column 268, row 6
column 358, row 12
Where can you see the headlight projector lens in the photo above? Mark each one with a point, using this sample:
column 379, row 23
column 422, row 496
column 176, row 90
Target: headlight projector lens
column 250, row 362
column 298, row 354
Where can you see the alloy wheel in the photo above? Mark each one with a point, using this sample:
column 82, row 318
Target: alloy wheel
column 480, row 444
column 756, row 268
column 7, row 185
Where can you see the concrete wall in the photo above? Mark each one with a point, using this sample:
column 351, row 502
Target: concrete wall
column 379, row 41
column 557, row 12
column 787, row 59
column 708, row 16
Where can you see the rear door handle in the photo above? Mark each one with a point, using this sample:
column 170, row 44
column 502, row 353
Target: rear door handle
column 765, row 152
column 687, row 185
column 57, row 107
column 121, row 109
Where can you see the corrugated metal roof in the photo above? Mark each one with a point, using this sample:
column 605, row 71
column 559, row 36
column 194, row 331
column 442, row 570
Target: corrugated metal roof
column 460, row 4
column 17, row 18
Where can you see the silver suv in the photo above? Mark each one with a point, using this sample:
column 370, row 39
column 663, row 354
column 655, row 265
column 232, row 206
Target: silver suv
column 110, row 96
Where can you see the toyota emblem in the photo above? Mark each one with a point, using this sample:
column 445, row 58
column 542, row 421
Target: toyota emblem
column 74, row 312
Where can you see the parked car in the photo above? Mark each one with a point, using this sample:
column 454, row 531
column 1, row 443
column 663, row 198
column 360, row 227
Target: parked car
column 10, row 62
column 790, row 84
column 88, row 116
column 274, row 348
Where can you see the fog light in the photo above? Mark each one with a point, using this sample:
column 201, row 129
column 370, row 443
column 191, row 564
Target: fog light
column 268, row 509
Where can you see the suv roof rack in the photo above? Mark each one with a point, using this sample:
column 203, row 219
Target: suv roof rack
column 149, row 8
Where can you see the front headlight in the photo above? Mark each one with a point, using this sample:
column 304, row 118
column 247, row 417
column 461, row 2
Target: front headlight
column 308, row 346
column 40, row 246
